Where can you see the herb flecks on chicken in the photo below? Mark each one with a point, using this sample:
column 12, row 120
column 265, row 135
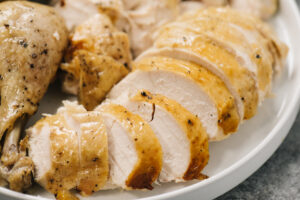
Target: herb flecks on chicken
column 98, row 58
column 32, row 40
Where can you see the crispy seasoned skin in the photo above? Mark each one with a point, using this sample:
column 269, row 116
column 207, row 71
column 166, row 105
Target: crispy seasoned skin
column 98, row 57
column 98, row 74
column 174, row 126
column 69, row 150
column 175, row 86
column 92, row 142
column 32, row 41
column 194, row 87
column 20, row 176
column 253, row 28
column 135, row 153
column 249, row 82
column 233, row 40
column 228, row 115
column 216, row 58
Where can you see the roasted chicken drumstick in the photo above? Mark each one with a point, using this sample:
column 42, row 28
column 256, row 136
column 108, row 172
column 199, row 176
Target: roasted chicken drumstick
column 32, row 40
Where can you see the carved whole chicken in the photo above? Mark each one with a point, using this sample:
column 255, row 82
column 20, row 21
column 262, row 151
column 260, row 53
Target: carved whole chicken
column 97, row 55
column 200, row 80
column 32, row 40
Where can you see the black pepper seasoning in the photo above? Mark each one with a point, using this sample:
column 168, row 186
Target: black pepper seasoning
column 144, row 94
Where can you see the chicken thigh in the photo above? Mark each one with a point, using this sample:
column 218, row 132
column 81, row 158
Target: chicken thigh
column 98, row 57
column 32, row 40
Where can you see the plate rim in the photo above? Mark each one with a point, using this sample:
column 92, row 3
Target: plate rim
column 292, row 109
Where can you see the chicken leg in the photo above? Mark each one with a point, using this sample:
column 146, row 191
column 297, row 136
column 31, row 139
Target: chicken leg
column 32, row 40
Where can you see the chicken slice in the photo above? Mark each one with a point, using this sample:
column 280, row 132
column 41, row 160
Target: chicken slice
column 19, row 176
column 100, row 53
column 248, row 25
column 202, row 50
column 174, row 126
column 216, row 58
column 227, row 111
column 188, row 84
column 53, row 147
column 69, row 150
column 93, row 148
column 251, row 54
column 135, row 154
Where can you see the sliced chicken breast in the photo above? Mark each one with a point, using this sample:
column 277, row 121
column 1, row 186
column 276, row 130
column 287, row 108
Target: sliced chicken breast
column 249, row 25
column 174, row 126
column 204, row 51
column 69, row 150
column 135, row 154
column 251, row 54
column 53, row 148
column 194, row 87
column 214, row 87
column 140, row 18
column 93, row 146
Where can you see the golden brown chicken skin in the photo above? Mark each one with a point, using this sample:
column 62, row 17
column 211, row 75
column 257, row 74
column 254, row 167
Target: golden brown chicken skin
column 98, row 57
column 32, row 40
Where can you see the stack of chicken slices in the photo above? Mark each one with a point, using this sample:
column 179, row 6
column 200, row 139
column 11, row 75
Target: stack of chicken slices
column 205, row 73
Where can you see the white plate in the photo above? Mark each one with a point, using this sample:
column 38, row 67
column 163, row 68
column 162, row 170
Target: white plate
column 236, row 158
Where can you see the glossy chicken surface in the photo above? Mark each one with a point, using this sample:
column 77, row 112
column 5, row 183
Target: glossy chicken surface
column 32, row 39
column 186, row 166
column 135, row 153
column 69, row 150
column 98, row 57
column 205, row 73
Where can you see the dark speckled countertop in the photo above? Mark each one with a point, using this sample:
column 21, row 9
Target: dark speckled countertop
column 279, row 177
